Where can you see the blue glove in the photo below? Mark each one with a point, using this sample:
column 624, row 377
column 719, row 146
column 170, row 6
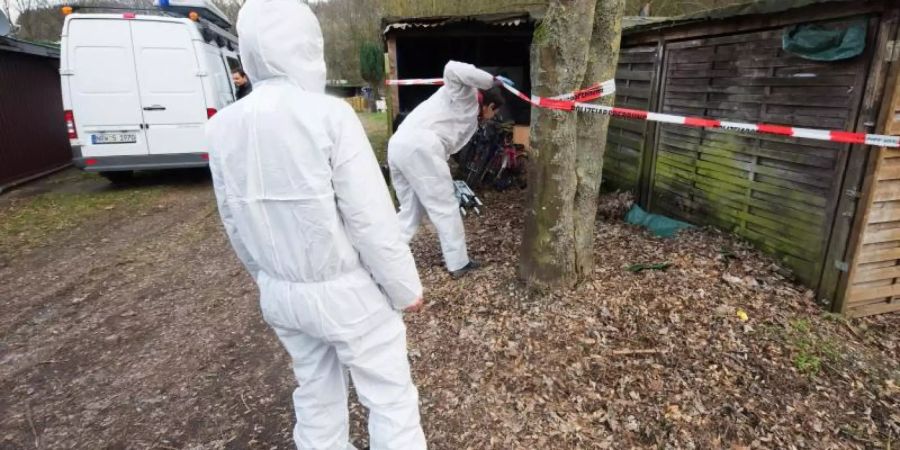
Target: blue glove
column 504, row 80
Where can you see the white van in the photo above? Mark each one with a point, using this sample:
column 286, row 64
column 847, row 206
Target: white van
column 138, row 89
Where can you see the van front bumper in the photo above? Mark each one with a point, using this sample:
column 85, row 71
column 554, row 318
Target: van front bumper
column 138, row 162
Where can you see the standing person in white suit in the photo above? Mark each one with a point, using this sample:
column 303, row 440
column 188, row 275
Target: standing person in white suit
column 308, row 212
column 418, row 154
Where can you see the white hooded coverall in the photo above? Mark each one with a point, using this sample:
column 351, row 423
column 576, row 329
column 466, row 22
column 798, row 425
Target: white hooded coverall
column 418, row 154
column 308, row 212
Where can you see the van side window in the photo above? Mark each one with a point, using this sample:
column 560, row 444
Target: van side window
column 233, row 64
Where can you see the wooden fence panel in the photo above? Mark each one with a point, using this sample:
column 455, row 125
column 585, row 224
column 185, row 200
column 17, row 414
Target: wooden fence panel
column 779, row 193
column 874, row 280
column 626, row 139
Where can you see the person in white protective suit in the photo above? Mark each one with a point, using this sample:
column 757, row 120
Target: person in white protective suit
column 309, row 214
column 418, row 154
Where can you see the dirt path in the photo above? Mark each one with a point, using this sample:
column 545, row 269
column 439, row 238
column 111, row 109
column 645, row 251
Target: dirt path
column 140, row 330
column 136, row 327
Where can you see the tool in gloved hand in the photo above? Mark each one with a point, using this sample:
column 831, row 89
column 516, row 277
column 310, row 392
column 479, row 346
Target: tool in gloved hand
column 466, row 197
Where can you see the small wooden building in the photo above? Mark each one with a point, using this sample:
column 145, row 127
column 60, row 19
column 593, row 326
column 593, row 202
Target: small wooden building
column 828, row 211
column 33, row 138
column 805, row 201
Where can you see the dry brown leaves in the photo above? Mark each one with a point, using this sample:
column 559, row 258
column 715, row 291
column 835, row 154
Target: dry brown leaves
column 148, row 335
column 719, row 350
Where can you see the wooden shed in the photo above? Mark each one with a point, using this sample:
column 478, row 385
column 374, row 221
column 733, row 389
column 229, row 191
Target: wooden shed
column 33, row 139
column 807, row 202
column 828, row 211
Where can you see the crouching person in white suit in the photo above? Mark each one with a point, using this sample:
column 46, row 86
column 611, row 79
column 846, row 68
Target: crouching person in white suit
column 308, row 212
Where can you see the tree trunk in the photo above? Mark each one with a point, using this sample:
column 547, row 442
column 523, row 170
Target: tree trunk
column 559, row 57
column 591, row 141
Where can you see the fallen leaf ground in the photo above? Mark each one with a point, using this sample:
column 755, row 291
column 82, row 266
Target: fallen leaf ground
column 132, row 325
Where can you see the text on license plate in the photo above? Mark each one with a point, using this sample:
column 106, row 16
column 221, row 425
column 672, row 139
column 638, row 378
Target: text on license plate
column 114, row 138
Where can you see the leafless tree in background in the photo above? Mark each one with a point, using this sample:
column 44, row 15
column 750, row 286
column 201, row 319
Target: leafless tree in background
column 41, row 20
column 346, row 25
column 5, row 8
column 230, row 8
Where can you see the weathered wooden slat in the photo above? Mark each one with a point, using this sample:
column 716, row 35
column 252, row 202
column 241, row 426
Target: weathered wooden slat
column 885, row 191
column 781, row 99
column 636, row 126
column 676, row 66
column 625, row 153
column 684, row 86
column 675, row 73
column 789, row 193
column 855, row 310
column 833, row 112
column 818, row 157
column 681, row 146
column 839, row 80
column 622, row 179
column 711, row 190
column 713, row 148
column 672, row 158
column 712, row 184
column 640, row 67
column 762, row 179
column 693, row 102
column 884, row 212
column 888, row 273
column 634, row 133
column 673, row 172
column 632, row 92
column 781, row 201
column 724, row 179
column 745, row 40
column 727, row 165
column 770, row 61
column 677, row 185
column 815, row 70
column 811, row 178
column 857, row 294
column 624, row 141
column 874, row 253
column 633, row 75
column 632, row 103
column 889, row 170
column 887, row 234
column 798, row 120
column 786, row 215
column 783, row 163
column 633, row 57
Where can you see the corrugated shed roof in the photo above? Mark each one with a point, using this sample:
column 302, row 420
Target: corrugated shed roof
column 500, row 20
column 460, row 8
column 743, row 9
column 630, row 24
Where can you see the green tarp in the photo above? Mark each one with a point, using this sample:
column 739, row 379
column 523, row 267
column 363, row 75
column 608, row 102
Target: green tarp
column 826, row 42
column 661, row 226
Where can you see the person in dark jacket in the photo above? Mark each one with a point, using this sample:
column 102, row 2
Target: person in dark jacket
column 242, row 82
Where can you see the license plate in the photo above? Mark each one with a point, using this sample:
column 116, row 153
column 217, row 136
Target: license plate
column 114, row 138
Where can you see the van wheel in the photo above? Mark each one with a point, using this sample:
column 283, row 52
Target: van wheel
column 120, row 177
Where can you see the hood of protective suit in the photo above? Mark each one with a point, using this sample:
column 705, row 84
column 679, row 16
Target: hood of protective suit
column 282, row 39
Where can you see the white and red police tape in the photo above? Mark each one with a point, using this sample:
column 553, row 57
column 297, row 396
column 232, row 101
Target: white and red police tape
column 575, row 101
